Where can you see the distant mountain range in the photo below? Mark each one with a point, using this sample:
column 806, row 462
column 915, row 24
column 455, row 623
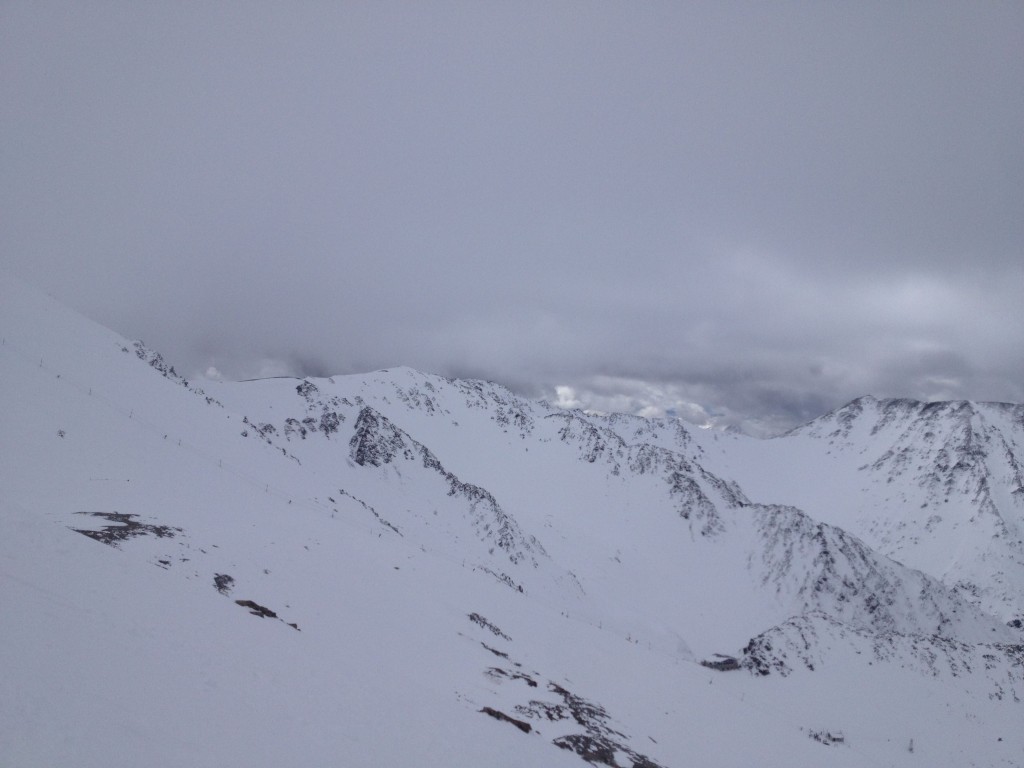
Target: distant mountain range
column 397, row 569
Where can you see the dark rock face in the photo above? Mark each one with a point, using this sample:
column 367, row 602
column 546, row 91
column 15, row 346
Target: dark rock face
column 480, row 621
column 599, row 743
column 223, row 583
column 497, row 715
column 124, row 528
column 256, row 609
column 263, row 612
column 307, row 390
column 721, row 663
column 376, row 441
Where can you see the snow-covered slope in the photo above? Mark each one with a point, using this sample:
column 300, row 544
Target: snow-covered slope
column 937, row 486
column 396, row 568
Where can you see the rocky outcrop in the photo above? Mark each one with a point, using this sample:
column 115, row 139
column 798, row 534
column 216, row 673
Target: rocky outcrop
column 377, row 442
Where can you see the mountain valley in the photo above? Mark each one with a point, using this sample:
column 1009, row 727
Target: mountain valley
column 396, row 568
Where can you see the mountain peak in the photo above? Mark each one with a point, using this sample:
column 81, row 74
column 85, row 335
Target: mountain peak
column 283, row 570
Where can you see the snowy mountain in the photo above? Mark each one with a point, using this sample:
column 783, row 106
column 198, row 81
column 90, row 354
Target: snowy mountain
column 396, row 569
column 937, row 486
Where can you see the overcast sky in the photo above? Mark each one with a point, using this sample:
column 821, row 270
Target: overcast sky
column 750, row 211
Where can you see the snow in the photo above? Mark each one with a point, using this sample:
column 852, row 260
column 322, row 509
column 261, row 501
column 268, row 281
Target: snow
column 604, row 556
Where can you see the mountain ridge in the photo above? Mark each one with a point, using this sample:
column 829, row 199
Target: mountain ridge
column 360, row 523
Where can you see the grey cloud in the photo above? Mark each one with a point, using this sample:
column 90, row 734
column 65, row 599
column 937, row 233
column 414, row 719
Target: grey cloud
column 760, row 210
